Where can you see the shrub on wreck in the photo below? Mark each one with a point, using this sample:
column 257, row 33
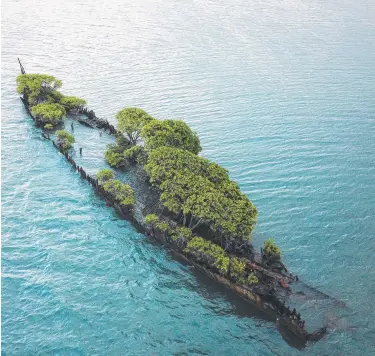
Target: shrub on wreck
column 214, row 257
column 117, row 156
column 252, row 278
column 182, row 232
column 237, row 270
column 64, row 139
column 37, row 87
column 162, row 226
column 178, row 234
column 48, row 113
column 173, row 133
column 202, row 251
column 159, row 227
column 114, row 152
column 113, row 158
column 104, row 175
column 165, row 161
column 41, row 88
column 135, row 154
column 208, row 254
column 151, row 219
column 121, row 193
column 53, row 97
column 271, row 249
column 72, row 102
column 200, row 193
column 130, row 122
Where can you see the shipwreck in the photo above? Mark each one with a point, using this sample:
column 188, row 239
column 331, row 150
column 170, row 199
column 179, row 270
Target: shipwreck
column 184, row 201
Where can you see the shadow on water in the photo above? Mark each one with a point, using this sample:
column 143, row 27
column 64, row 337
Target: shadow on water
column 240, row 307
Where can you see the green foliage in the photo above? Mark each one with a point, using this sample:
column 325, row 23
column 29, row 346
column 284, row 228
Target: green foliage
column 174, row 133
column 41, row 88
column 182, row 232
column 48, row 127
column 222, row 263
column 37, row 87
column 121, row 142
column 135, row 154
column 201, row 191
column 237, row 269
column 64, row 139
column 123, row 194
column 130, row 121
column 113, row 158
column 72, row 102
column 118, row 156
column 271, row 248
column 48, row 113
column 252, row 278
column 164, row 162
column 114, row 152
column 201, row 248
column 162, row 226
column 104, row 175
column 53, row 97
column 151, row 219
column 238, row 272
column 154, row 221
column 114, row 155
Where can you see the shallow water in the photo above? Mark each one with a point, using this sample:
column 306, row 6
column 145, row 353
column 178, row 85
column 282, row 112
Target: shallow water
column 281, row 94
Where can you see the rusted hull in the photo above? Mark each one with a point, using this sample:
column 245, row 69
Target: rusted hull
column 253, row 298
column 286, row 319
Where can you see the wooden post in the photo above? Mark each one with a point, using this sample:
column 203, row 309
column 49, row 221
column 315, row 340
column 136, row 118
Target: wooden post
column 21, row 66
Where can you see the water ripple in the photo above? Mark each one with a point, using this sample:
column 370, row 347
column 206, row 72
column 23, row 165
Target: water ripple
column 281, row 94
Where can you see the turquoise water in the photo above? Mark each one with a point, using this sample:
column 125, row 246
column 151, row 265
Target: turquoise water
column 281, row 93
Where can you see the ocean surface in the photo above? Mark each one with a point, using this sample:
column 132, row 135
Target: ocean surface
column 281, row 93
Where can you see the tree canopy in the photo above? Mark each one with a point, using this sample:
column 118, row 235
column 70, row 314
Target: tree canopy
column 201, row 192
column 122, row 193
column 53, row 97
column 42, row 89
column 104, row 175
column 204, row 252
column 271, row 248
column 122, row 155
column 37, row 87
column 64, row 139
column 114, row 152
column 210, row 253
column 174, row 133
column 130, row 121
column 72, row 102
column 48, row 113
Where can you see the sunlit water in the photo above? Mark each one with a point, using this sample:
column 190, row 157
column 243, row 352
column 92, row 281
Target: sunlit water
column 281, row 93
